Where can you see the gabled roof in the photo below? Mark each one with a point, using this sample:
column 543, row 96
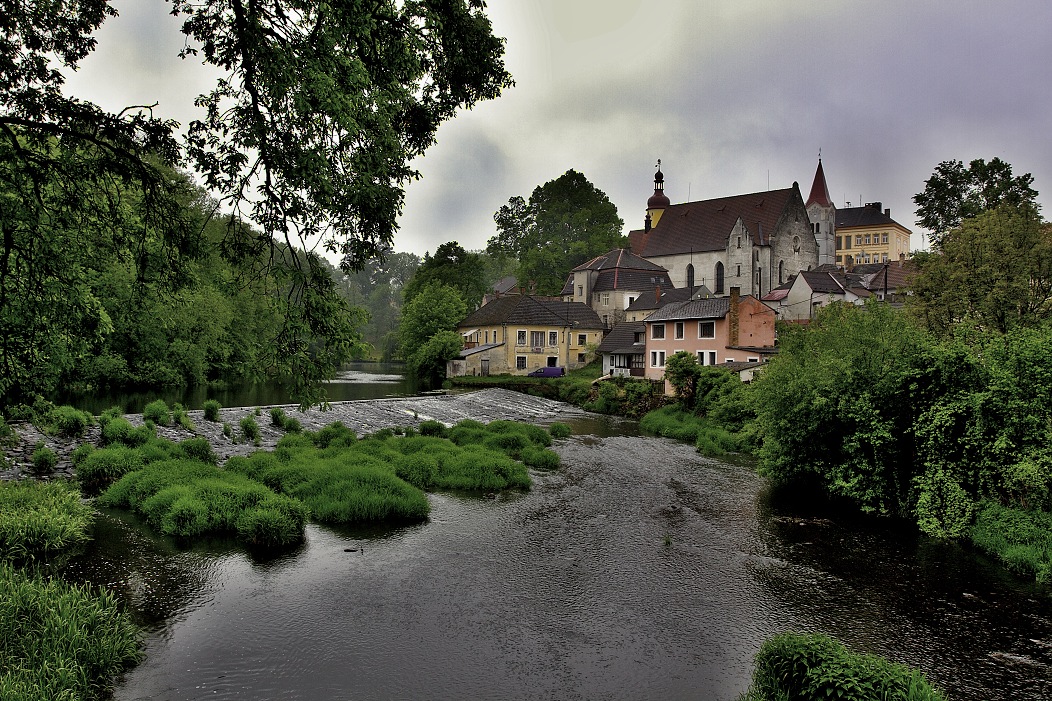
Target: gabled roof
column 711, row 308
column 819, row 192
column 619, row 258
column 478, row 349
column 622, row 339
column 649, row 300
column 533, row 310
column 832, row 282
column 705, row 225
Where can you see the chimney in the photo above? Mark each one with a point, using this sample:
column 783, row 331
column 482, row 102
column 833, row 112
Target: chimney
column 657, row 295
column 902, row 259
column 887, row 213
column 732, row 320
column 646, row 223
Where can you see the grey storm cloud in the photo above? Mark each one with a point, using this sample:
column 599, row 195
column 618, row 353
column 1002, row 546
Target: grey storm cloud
column 733, row 95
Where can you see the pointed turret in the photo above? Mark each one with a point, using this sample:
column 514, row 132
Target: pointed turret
column 819, row 192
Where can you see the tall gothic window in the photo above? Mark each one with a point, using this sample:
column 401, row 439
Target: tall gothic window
column 690, row 275
column 719, row 278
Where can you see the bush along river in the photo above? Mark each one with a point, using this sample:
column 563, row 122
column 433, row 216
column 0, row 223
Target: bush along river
column 637, row 570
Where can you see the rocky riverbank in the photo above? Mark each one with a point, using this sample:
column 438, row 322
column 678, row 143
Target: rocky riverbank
column 364, row 416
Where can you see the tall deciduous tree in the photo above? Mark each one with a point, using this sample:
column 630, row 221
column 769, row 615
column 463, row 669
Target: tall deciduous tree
column 953, row 193
column 566, row 222
column 994, row 272
column 453, row 266
column 434, row 312
column 309, row 135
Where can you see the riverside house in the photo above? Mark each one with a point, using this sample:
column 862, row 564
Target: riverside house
column 716, row 330
column 518, row 334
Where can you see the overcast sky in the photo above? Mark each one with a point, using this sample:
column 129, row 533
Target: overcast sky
column 733, row 96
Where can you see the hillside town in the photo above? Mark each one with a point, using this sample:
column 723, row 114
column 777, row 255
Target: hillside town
column 708, row 277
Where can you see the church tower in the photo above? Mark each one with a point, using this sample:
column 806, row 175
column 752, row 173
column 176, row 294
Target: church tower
column 822, row 213
column 658, row 203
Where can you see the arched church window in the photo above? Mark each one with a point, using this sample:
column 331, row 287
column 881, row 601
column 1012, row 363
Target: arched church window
column 781, row 272
column 719, row 278
column 690, row 275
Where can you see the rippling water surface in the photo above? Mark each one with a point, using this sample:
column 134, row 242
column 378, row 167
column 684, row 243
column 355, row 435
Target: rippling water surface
column 640, row 571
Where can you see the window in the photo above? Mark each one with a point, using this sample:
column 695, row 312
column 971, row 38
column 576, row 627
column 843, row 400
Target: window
column 858, row 240
column 520, row 362
column 580, row 357
column 690, row 275
column 520, row 338
column 553, row 361
column 839, row 239
column 582, row 339
column 883, row 257
column 738, row 271
column 712, row 357
column 657, row 331
column 754, row 360
column 536, row 339
column 630, row 300
column 867, row 239
column 884, row 237
column 553, row 338
column 679, row 330
column 739, row 242
column 487, row 335
column 781, row 272
column 580, row 291
column 657, row 359
column 606, row 320
column 718, row 276
column 595, row 297
column 606, row 299
column 706, row 329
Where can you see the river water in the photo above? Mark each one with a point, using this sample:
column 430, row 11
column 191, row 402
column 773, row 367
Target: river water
column 640, row 570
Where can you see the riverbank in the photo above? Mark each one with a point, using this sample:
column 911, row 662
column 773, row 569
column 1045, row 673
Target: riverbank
column 362, row 417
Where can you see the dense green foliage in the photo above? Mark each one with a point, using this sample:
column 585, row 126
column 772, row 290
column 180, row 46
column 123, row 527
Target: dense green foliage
column 567, row 221
column 108, row 270
column 427, row 332
column 454, row 267
column 39, row 519
column 806, row 667
column 992, row 273
column 211, row 409
column 1019, row 538
column 60, row 641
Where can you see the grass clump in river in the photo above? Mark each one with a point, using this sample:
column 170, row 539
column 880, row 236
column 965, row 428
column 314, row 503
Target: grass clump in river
column 1022, row 540
column 60, row 641
column 189, row 498
column 802, row 667
column 39, row 519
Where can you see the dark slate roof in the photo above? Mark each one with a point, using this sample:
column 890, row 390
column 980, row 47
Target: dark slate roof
column 619, row 258
column 705, row 226
column 505, row 285
column 711, row 308
column 622, row 339
column 534, row 310
column 648, row 300
column 626, row 279
column 825, row 281
column 864, row 216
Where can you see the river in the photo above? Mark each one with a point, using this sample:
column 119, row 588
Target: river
column 640, row 570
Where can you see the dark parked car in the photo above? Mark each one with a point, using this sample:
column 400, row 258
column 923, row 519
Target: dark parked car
column 547, row 372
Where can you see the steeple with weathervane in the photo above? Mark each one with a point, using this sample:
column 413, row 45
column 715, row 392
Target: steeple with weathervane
column 657, row 203
column 822, row 213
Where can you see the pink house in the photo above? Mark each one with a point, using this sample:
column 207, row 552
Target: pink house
column 716, row 330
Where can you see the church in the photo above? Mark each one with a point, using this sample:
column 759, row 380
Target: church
column 754, row 242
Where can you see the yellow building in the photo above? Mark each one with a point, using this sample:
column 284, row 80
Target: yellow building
column 869, row 235
column 519, row 334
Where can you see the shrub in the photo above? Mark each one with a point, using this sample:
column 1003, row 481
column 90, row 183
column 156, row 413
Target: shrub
column 118, row 430
column 158, row 412
column 181, row 418
column 277, row 417
column 70, row 422
column 250, row 429
column 802, row 667
column 292, row 425
column 559, row 430
column 199, row 449
column 334, row 434
column 1022, row 540
column 44, row 459
column 80, row 452
column 211, row 408
column 61, row 641
column 100, row 468
column 228, row 430
column 432, row 428
column 38, row 519
column 541, row 458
